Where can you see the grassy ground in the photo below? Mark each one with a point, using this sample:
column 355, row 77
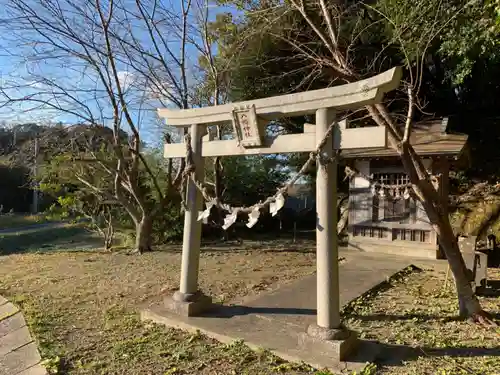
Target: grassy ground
column 415, row 319
column 82, row 308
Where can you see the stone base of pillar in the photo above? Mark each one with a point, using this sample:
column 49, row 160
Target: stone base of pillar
column 339, row 343
column 188, row 304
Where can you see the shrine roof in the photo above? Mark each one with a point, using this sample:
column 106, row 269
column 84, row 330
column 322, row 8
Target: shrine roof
column 429, row 138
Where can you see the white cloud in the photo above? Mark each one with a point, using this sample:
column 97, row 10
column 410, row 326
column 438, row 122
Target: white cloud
column 156, row 92
column 126, row 79
column 37, row 85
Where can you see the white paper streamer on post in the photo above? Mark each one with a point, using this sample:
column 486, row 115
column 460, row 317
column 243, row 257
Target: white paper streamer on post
column 382, row 192
column 204, row 215
column 230, row 220
column 406, row 194
column 397, row 194
column 253, row 217
column 277, row 204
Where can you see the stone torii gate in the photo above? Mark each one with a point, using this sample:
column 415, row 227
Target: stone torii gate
column 249, row 119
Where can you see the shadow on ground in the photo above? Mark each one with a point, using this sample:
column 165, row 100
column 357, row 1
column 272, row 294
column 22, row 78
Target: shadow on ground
column 48, row 239
column 397, row 355
column 492, row 289
column 225, row 311
column 278, row 245
column 418, row 317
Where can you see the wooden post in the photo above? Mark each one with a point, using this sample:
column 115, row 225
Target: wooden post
column 442, row 166
column 444, row 183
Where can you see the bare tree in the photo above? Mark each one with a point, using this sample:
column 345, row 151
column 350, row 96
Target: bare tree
column 320, row 23
column 111, row 62
column 213, row 86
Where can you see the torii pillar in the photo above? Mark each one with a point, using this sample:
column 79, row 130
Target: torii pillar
column 249, row 120
column 327, row 267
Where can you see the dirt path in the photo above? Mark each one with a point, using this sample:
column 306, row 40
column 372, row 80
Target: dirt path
column 32, row 227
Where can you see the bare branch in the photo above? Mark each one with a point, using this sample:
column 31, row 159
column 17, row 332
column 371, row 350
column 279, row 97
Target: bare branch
column 409, row 116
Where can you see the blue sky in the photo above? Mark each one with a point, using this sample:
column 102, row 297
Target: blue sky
column 29, row 75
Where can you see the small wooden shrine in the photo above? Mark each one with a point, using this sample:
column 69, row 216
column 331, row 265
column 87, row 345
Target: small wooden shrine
column 385, row 218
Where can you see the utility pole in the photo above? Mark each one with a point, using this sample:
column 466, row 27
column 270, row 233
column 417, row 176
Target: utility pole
column 35, row 181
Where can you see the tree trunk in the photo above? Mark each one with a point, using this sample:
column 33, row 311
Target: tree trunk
column 468, row 304
column 109, row 235
column 143, row 235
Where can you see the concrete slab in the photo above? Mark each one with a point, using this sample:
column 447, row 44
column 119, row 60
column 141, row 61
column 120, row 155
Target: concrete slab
column 15, row 340
column 19, row 360
column 7, row 310
column 257, row 334
column 296, row 303
column 278, row 320
column 11, row 323
column 18, row 351
column 35, row 370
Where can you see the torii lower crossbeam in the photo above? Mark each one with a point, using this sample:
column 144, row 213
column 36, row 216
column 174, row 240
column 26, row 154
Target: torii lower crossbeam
column 287, row 143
